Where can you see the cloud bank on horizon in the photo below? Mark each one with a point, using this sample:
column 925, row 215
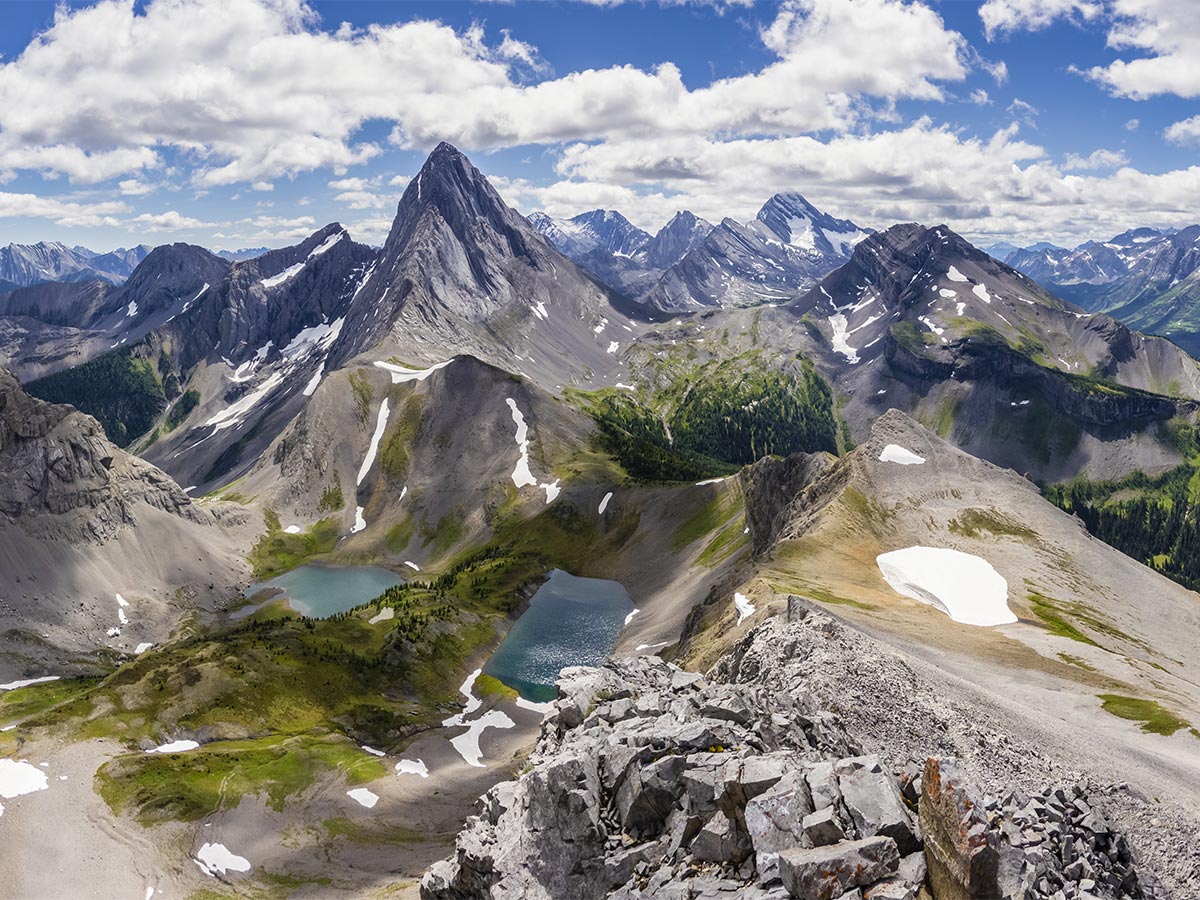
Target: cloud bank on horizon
column 233, row 122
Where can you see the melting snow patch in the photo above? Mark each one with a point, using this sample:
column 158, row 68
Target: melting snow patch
column 401, row 374
column 215, row 859
column 930, row 324
column 142, row 648
column 13, row 685
column 292, row 529
column 839, row 341
column 981, row 292
column 467, row 744
column 382, row 616
column 709, row 481
column 954, row 275
column 743, row 606
column 363, row 797
column 412, row 767
column 311, row 387
column 894, row 453
column 533, row 706
column 359, row 522
column 372, row 750
column 380, row 425
column 629, row 618
column 613, row 346
column 539, row 310
column 175, row 747
column 412, row 565
column 131, row 309
column 604, row 503
column 521, row 475
column 232, row 414
column 963, row 586
column 17, row 777
column 948, row 292
column 552, row 490
column 640, row 647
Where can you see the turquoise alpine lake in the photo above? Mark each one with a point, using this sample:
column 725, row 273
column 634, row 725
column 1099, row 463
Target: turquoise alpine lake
column 571, row 621
column 322, row 591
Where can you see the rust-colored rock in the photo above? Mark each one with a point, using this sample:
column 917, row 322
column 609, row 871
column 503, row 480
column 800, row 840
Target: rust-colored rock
column 962, row 852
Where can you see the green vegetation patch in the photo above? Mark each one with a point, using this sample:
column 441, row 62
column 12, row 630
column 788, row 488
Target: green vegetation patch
column 972, row 522
column 1154, row 519
column 1155, row 718
column 122, row 388
column 332, row 498
column 707, row 518
column 277, row 551
column 706, row 419
column 36, row 699
column 360, row 385
column 489, row 688
column 393, row 453
column 189, row 786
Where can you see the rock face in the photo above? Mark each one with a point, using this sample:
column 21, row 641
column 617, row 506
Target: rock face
column 63, row 477
column 963, row 853
column 648, row 781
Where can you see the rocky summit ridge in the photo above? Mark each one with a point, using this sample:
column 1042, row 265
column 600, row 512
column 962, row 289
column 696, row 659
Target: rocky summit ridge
column 651, row 781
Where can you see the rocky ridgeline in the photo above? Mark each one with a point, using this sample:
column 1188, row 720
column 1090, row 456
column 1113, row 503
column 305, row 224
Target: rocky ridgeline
column 64, row 479
column 649, row 781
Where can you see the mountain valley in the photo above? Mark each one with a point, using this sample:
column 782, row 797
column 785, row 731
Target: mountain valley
column 833, row 468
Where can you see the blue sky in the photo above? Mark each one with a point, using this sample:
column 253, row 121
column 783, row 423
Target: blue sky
column 247, row 122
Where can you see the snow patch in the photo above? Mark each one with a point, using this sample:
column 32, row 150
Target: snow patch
column 17, row 778
column 363, row 797
column 467, row 744
column 359, row 522
column 954, row 275
column 839, row 341
column 402, row 374
column 175, row 747
column 963, row 586
column 981, row 291
column 743, row 606
column 533, row 706
column 216, row 859
column 629, row 618
column 13, row 685
column 894, row 453
column 373, row 448
column 142, row 648
column 613, row 346
column 604, row 503
column 292, row 529
column 383, row 615
column 412, row 565
column 412, row 767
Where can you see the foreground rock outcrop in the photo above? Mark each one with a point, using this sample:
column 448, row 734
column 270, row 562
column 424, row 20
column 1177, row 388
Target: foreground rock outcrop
column 649, row 781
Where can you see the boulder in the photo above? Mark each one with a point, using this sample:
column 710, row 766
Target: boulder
column 647, row 795
column 822, row 827
column 826, row 873
column 721, row 841
column 774, row 822
column 962, row 852
column 872, row 798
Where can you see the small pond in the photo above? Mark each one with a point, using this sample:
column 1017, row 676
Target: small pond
column 570, row 622
column 321, row 591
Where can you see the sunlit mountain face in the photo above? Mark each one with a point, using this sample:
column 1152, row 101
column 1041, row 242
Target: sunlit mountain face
column 674, row 449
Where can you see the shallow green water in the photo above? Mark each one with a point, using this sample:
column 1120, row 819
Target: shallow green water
column 570, row 622
column 321, row 591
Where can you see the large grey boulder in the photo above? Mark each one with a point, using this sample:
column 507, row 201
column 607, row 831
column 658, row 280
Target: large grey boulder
column 826, row 873
column 775, row 821
column 872, row 798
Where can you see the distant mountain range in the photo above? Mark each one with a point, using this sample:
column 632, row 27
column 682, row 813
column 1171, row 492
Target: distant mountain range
column 691, row 264
column 1145, row 277
column 26, row 264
